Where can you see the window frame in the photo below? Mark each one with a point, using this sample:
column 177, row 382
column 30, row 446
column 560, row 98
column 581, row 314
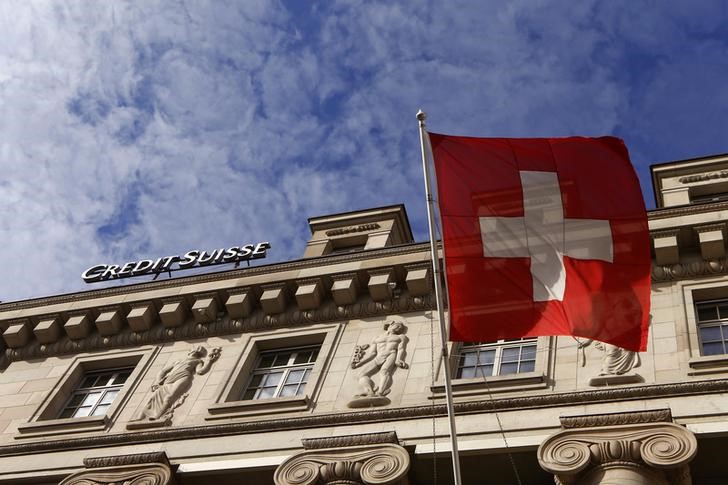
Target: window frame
column 717, row 322
column 479, row 386
column 285, row 369
column 229, row 402
column 694, row 294
column 45, row 421
column 103, row 390
column 498, row 349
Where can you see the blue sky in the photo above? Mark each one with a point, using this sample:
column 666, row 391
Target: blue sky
column 133, row 130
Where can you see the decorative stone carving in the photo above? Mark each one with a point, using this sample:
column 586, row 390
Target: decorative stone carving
column 383, row 464
column 134, row 469
column 379, row 415
column 692, row 269
column 134, row 336
column 644, row 453
column 616, row 364
column 152, row 474
column 382, row 356
column 170, row 388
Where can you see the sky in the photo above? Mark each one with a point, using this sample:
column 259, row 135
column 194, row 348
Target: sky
column 137, row 130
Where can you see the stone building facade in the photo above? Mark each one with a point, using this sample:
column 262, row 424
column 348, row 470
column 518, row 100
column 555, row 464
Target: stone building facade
column 320, row 371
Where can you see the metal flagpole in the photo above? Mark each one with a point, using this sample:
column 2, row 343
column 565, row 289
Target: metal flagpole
column 421, row 116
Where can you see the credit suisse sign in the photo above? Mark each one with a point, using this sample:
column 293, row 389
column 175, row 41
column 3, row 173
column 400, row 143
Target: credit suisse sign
column 191, row 259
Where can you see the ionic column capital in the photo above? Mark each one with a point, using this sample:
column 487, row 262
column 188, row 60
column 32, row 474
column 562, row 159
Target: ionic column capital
column 381, row 464
column 573, row 453
column 148, row 474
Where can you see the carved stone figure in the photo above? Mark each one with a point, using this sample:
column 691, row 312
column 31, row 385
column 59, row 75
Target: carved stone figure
column 171, row 386
column 616, row 360
column 382, row 356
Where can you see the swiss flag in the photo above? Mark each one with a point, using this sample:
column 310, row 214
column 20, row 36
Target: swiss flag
column 543, row 236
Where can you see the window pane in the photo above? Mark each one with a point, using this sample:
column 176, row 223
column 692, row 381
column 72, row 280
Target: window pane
column 484, row 371
column 528, row 352
column 713, row 348
column 82, row 412
column 467, row 372
column 100, row 410
column 91, row 398
column 303, row 357
column 266, row 361
column 306, row 375
column 272, row 379
column 723, row 310
column 282, row 359
column 509, row 368
column 528, row 366
column 266, row 392
column 88, row 381
column 290, row 390
column 255, row 381
column 249, row 394
column 708, row 334
column 295, row 376
column 76, row 400
column 122, row 376
column 511, row 354
column 67, row 413
column 469, row 359
column 109, row 397
column 486, row 357
column 707, row 312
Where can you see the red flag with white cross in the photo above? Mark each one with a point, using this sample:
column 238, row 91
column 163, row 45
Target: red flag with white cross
column 543, row 236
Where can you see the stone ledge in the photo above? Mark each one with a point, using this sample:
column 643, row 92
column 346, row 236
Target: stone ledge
column 598, row 396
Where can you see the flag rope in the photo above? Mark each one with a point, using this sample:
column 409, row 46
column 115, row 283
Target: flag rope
column 514, row 467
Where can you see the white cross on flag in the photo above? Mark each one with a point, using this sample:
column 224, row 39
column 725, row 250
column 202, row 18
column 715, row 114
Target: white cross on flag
column 543, row 237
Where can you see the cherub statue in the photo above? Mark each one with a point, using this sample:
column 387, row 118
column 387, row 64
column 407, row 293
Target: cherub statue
column 385, row 353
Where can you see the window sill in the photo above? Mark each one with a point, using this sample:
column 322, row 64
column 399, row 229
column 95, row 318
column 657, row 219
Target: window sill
column 236, row 409
column 478, row 386
column 708, row 364
column 62, row 426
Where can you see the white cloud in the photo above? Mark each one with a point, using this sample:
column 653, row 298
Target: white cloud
column 132, row 130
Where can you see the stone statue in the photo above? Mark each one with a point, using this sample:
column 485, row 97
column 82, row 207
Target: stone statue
column 616, row 360
column 382, row 356
column 172, row 383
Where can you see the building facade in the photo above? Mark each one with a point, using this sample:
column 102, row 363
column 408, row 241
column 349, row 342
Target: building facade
column 325, row 370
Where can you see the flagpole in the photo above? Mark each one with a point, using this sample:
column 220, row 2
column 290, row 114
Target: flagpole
column 421, row 116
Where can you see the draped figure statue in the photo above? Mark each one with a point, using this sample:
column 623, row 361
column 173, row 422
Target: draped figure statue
column 616, row 360
column 172, row 383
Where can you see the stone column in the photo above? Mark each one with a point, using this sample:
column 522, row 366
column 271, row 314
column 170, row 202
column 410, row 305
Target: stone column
column 640, row 448
column 347, row 460
column 141, row 468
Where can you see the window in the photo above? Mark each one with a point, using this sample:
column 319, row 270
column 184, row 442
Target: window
column 712, row 326
column 91, row 394
column 278, row 371
column 95, row 393
column 497, row 358
column 281, row 373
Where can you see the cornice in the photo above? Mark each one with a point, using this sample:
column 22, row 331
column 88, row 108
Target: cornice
column 351, row 440
column 299, row 264
column 685, row 210
column 224, row 325
column 617, row 419
column 374, row 416
column 681, row 271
